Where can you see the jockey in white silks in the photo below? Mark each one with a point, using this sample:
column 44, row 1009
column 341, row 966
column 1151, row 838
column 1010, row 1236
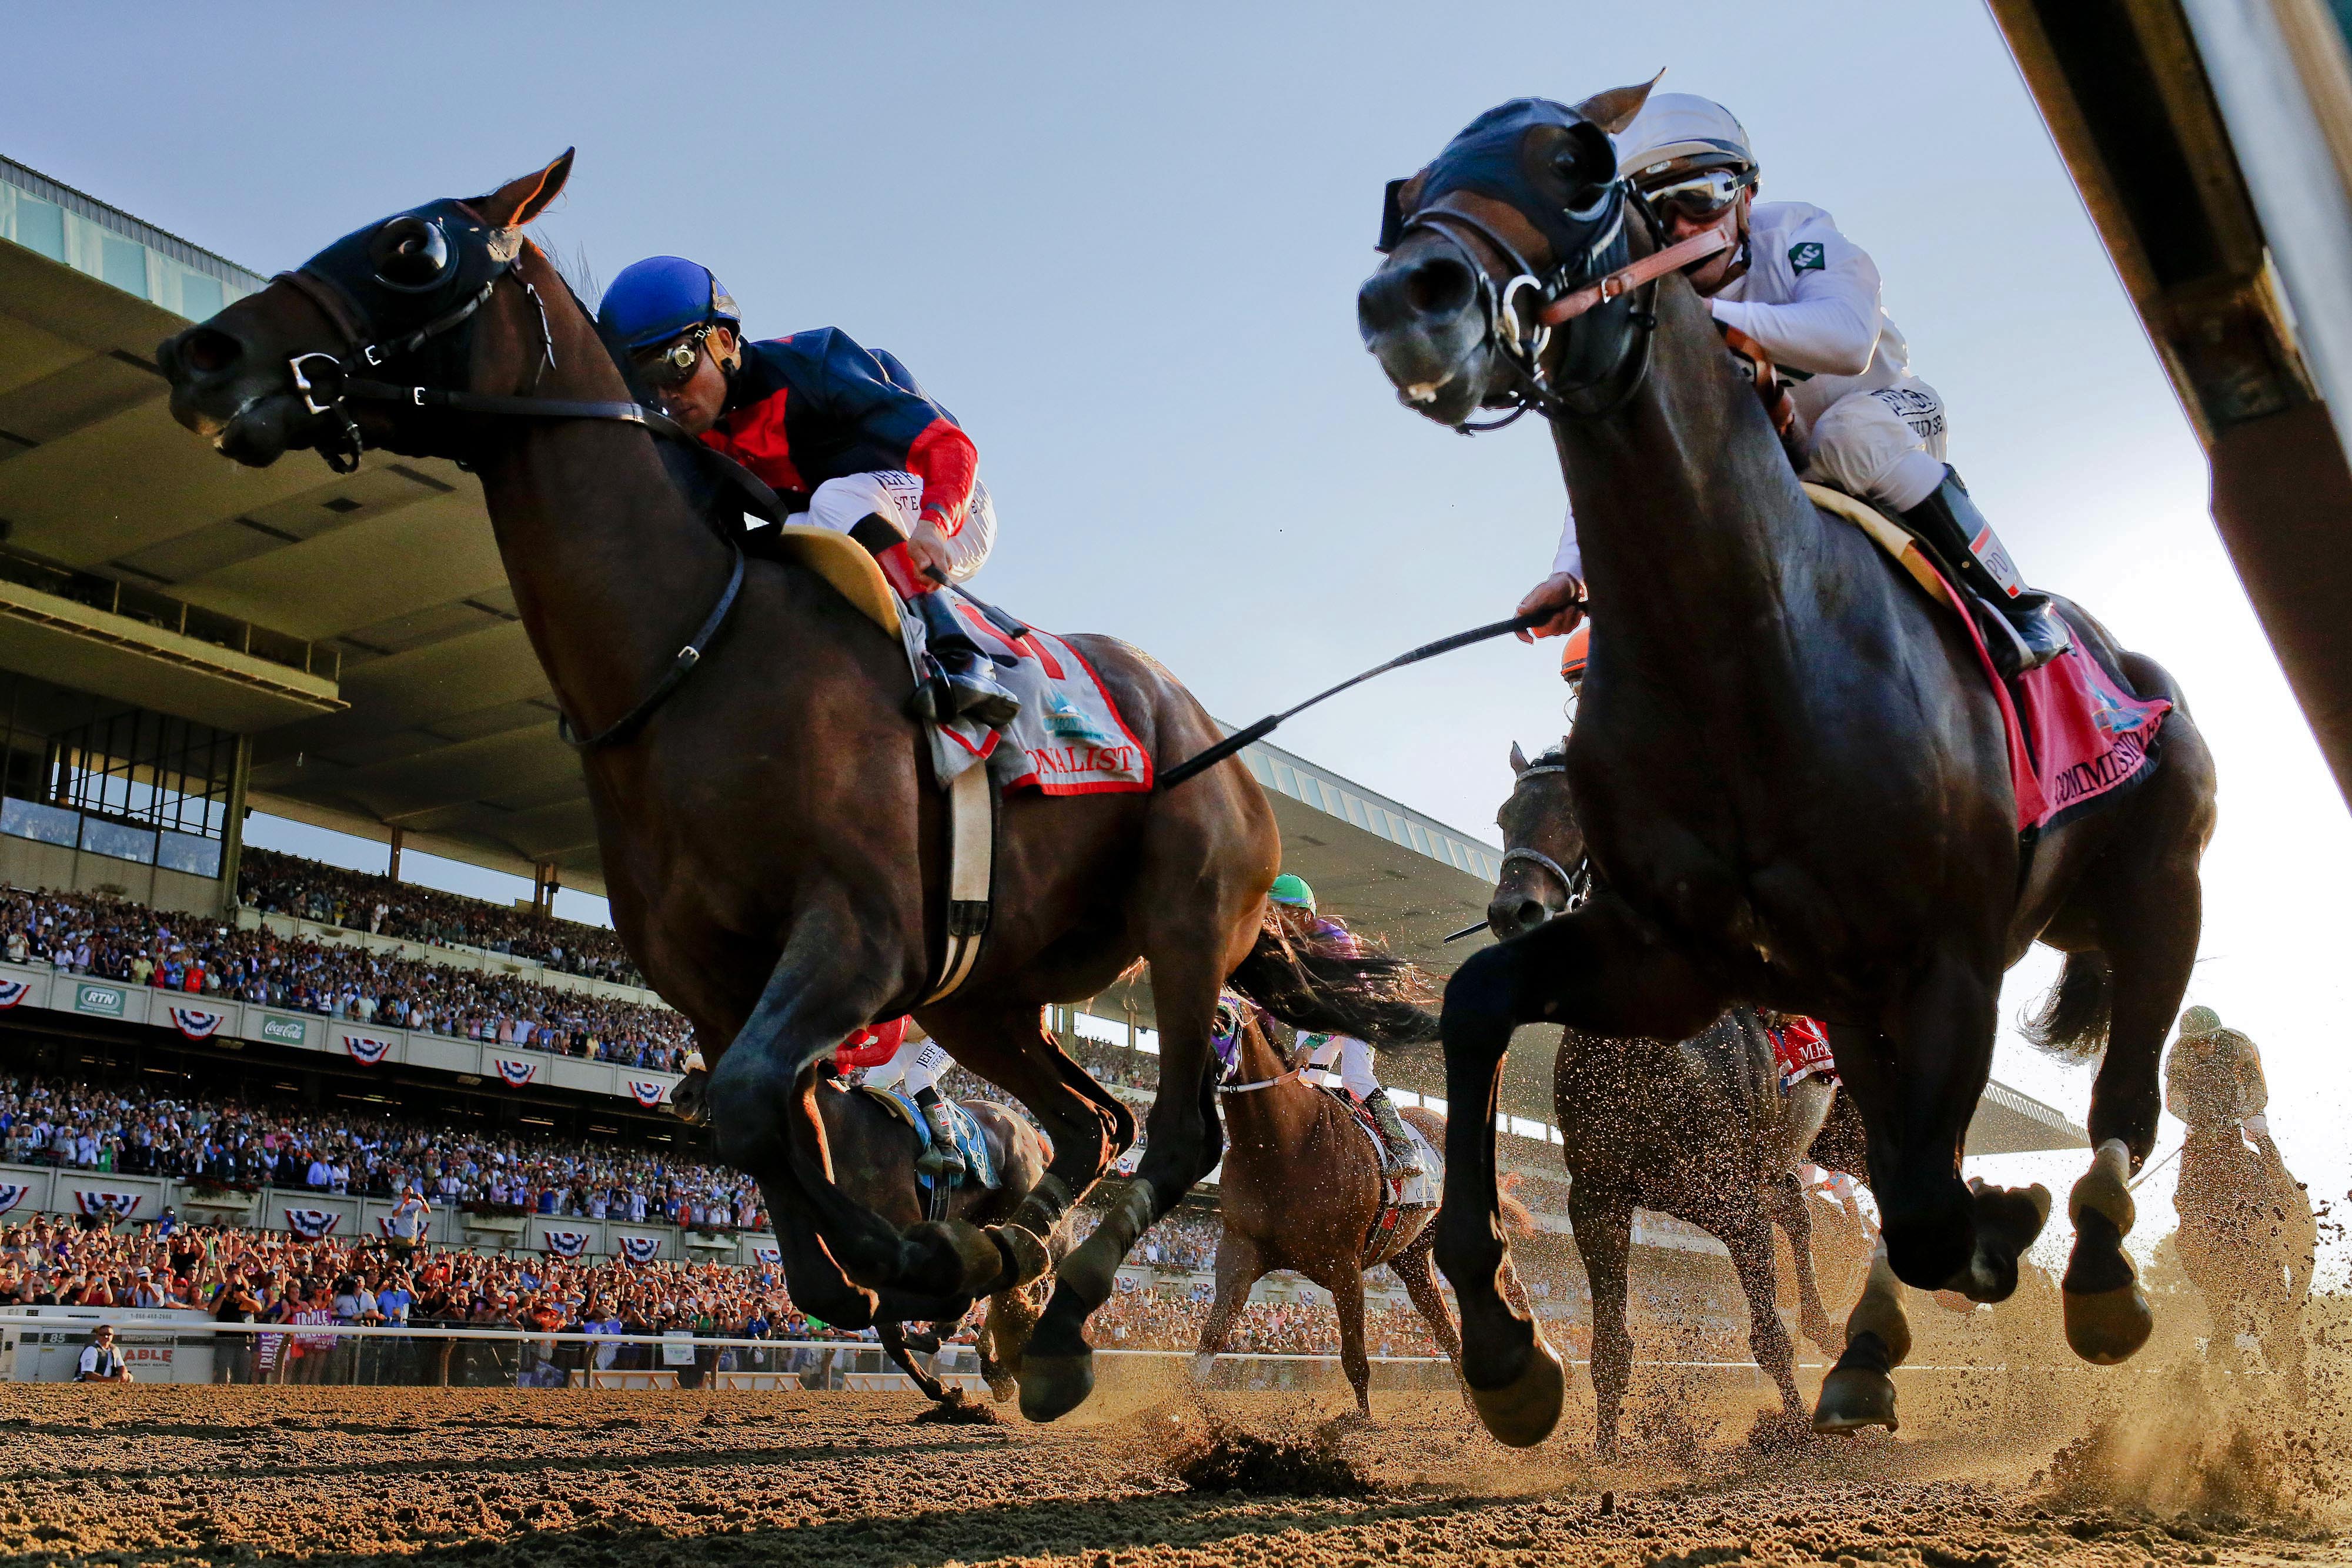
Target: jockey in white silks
column 1795, row 291
column 1293, row 905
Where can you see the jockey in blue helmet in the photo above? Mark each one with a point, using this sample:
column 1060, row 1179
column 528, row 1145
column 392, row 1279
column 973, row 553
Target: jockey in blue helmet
column 841, row 432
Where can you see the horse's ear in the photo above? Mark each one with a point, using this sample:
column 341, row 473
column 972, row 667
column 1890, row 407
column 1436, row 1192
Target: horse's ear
column 1614, row 110
column 1518, row 759
column 518, row 202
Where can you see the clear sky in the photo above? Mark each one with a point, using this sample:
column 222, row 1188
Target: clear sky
column 1123, row 246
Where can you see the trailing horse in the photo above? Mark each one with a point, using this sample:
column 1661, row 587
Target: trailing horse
column 2247, row 1238
column 1792, row 770
column 1698, row 1129
column 1303, row 1190
column 876, row 1150
column 772, row 833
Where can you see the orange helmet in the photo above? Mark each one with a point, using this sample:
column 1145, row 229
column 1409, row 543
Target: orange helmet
column 1573, row 652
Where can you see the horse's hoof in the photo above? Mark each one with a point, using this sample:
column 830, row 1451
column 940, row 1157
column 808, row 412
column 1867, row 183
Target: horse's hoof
column 1029, row 1257
column 979, row 1264
column 1853, row 1397
column 1523, row 1412
column 1053, row 1385
column 2106, row 1327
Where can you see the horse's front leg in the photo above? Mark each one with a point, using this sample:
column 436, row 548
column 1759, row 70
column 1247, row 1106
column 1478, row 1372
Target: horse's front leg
column 1599, row 970
column 831, row 980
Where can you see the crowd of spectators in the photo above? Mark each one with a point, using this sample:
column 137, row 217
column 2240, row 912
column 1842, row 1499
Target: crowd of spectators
column 288, row 884
column 236, row 1144
column 84, row 933
column 1150, row 1319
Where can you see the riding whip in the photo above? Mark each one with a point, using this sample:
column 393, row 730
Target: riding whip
column 1207, row 759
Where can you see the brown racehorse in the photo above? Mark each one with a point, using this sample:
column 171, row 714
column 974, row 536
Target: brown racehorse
column 876, row 1150
column 1698, row 1129
column 773, row 840
column 2248, row 1239
column 1301, row 1190
column 1791, row 770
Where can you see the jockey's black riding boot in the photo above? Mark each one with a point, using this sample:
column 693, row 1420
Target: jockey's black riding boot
column 942, row 1160
column 2021, row 630
column 967, row 680
column 1403, row 1159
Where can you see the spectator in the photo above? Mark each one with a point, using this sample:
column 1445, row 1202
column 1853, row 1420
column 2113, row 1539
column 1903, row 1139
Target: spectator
column 101, row 1362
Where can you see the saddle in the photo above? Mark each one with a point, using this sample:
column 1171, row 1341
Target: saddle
column 971, row 1139
column 1398, row 1195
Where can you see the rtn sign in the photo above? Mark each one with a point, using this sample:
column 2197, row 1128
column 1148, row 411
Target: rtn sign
column 107, row 999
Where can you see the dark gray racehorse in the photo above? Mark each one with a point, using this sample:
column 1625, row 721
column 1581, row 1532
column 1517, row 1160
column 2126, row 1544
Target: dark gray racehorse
column 1698, row 1129
column 1789, row 762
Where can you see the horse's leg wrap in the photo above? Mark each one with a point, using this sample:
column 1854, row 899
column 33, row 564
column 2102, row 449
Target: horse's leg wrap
column 1860, row 1390
column 2108, row 1316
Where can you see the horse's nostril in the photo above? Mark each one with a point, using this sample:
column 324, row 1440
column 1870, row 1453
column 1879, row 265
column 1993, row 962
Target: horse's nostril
column 1532, row 913
column 1441, row 286
column 208, row 351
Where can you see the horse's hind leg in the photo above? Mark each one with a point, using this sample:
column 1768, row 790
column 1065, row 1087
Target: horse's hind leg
column 1750, row 1241
column 1412, row 1265
column 1785, row 1196
column 1860, row 1390
column 1239, row 1265
column 1347, row 1288
column 1602, row 1226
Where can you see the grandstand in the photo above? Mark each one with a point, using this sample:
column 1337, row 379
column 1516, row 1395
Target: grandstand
column 183, row 643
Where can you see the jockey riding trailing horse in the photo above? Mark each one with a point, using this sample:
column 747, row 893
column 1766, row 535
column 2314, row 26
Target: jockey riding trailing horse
column 1293, row 903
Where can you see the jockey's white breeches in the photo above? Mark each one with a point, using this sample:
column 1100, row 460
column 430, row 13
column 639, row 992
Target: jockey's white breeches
column 915, row 1068
column 1355, row 1059
column 1885, row 446
column 897, row 498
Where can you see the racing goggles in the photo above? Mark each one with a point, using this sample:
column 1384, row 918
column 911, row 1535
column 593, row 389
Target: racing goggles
column 1707, row 193
column 671, row 366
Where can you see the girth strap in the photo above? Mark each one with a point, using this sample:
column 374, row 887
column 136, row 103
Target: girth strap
column 972, row 876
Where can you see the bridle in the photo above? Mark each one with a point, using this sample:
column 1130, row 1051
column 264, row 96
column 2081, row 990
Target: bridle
column 325, row 386
column 1575, row 886
column 1575, row 285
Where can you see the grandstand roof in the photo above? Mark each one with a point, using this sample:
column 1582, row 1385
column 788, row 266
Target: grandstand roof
column 360, row 627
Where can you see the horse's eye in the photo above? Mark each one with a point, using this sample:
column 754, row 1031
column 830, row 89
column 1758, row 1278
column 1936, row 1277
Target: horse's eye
column 411, row 254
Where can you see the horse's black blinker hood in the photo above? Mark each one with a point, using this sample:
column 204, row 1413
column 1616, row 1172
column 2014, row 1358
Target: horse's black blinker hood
column 1552, row 165
column 394, row 284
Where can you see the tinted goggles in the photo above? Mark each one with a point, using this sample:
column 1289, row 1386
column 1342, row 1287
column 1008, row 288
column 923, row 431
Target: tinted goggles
column 672, row 365
column 1700, row 196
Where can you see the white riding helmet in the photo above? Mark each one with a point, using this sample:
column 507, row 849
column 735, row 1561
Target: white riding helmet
column 1680, row 132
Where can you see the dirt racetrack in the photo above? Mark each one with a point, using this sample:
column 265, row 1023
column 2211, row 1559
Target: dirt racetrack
column 320, row 1476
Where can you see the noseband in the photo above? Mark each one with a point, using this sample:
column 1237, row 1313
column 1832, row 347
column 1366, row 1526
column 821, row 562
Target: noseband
column 1572, row 287
column 1575, row 886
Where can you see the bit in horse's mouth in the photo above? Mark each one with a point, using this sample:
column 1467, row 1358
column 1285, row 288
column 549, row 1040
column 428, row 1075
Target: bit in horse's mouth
column 1423, row 391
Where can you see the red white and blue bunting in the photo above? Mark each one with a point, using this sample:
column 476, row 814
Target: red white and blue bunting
column 197, row 1024
column 116, row 1205
column 424, row 1227
column 366, row 1050
column 648, row 1095
column 567, row 1243
column 767, row 1252
column 517, row 1074
column 12, row 992
column 640, row 1249
column 312, row 1224
column 12, row 1193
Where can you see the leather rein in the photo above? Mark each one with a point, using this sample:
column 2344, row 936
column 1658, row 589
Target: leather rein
column 1560, row 302
column 324, row 383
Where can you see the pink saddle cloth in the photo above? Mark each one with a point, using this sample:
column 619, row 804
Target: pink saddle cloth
column 2075, row 736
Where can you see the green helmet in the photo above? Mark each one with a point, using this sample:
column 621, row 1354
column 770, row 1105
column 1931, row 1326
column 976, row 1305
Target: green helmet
column 1289, row 889
column 2199, row 1021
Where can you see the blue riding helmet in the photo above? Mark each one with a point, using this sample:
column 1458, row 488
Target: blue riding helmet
column 655, row 300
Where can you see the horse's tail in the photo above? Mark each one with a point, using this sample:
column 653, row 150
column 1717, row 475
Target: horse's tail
column 2071, row 1022
column 1370, row 996
column 1518, row 1219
